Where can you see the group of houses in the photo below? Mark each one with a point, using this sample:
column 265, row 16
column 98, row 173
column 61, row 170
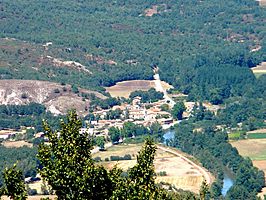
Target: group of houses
column 138, row 113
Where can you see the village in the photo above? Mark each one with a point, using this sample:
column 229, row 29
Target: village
column 136, row 112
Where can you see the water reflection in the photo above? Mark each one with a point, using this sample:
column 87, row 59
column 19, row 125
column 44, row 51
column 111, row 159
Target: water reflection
column 227, row 183
column 169, row 134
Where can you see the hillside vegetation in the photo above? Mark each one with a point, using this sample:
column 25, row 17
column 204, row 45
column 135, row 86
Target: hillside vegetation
column 203, row 48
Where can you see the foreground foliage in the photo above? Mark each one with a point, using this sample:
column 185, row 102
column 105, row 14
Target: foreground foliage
column 68, row 167
column 14, row 184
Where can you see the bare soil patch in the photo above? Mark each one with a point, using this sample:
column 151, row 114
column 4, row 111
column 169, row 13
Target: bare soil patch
column 262, row 3
column 263, row 130
column 54, row 96
column 124, row 88
column 151, row 11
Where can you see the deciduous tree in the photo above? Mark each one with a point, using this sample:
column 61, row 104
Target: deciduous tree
column 14, row 184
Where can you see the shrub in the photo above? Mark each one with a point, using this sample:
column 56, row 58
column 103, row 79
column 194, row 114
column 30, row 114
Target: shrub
column 127, row 157
column 114, row 158
column 24, row 96
column 64, row 89
column 117, row 158
column 32, row 192
column 162, row 173
column 56, row 91
column 97, row 159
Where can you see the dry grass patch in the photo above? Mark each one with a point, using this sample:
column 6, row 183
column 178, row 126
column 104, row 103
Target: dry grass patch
column 178, row 172
column 124, row 88
column 253, row 148
column 17, row 144
column 261, row 164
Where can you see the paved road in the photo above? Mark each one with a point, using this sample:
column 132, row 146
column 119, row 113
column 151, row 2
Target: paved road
column 160, row 88
column 205, row 174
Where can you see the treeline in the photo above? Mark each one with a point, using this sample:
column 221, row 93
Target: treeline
column 212, row 149
column 203, row 48
column 30, row 109
column 147, row 96
column 130, row 129
column 248, row 113
column 31, row 115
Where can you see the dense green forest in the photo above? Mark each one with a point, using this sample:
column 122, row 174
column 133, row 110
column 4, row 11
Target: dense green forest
column 203, row 48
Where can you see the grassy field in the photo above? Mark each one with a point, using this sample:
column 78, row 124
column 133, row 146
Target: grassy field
column 256, row 136
column 178, row 172
column 234, row 136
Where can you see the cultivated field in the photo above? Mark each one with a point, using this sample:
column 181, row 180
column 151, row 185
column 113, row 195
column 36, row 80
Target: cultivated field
column 179, row 172
column 257, row 134
column 253, row 148
column 124, row 88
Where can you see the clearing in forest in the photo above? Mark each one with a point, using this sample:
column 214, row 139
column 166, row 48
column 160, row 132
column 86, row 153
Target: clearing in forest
column 124, row 88
column 260, row 69
column 179, row 172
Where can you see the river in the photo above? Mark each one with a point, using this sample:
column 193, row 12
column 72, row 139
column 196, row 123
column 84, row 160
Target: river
column 228, row 180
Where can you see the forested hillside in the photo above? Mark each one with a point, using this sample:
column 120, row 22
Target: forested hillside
column 204, row 48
